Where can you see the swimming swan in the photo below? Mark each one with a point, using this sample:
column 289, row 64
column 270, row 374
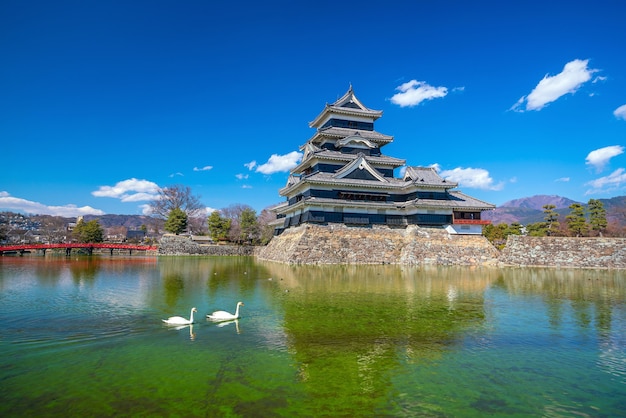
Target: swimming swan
column 179, row 320
column 223, row 315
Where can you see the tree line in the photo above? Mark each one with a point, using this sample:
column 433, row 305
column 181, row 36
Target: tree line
column 238, row 223
column 580, row 222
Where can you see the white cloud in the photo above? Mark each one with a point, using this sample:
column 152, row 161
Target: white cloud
column 563, row 179
column 241, row 176
column 177, row 174
column 477, row 178
column 205, row 168
column 250, row 165
column 146, row 209
column 600, row 158
column 28, row 206
column 608, row 183
column 620, row 112
column 414, row 92
column 131, row 190
column 246, row 186
column 280, row 163
column 550, row 88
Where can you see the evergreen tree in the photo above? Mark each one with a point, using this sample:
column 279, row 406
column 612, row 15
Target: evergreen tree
column 597, row 216
column 515, row 229
column 551, row 224
column 576, row 222
column 496, row 234
column 88, row 231
column 176, row 221
column 218, row 226
column 537, row 229
column 249, row 225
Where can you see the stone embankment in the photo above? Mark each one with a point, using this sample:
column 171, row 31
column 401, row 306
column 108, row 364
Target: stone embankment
column 340, row 244
column 183, row 245
column 564, row 252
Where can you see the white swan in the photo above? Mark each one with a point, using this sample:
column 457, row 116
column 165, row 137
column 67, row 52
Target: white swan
column 179, row 320
column 223, row 315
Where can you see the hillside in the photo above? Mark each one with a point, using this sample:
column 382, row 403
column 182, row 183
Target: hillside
column 529, row 210
column 132, row 222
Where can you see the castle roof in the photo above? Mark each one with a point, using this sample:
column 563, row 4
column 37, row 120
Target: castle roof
column 335, row 133
column 429, row 181
column 346, row 105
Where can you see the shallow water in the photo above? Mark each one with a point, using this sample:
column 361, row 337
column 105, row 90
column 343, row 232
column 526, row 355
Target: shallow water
column 84, row 337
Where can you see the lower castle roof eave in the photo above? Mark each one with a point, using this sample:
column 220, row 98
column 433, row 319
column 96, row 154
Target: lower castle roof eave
column 310, row 202
column 413, row 204
column 400, row 187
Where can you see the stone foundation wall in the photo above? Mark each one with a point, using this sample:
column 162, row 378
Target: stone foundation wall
column 564, row 252
column 183, row 245
column 340, row 244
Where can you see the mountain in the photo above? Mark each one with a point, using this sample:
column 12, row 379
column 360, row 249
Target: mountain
column 538, row 202
column 529, row 210
column 132, row 222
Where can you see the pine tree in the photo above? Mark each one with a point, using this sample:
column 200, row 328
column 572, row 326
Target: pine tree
column 176, row 221
column 551, row 217
column 218, row 226
column 88, row 231
column 576, row 221
column 249, row 225
column 597, row 216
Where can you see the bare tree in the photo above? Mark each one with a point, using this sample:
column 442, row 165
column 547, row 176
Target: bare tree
column 265, row 220
column 233, row 212
column 179, row 197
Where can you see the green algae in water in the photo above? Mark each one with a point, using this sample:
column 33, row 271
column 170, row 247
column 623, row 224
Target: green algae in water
column 86, row 339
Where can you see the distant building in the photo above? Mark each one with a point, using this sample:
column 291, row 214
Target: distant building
column 345, row 178
column 136, row 235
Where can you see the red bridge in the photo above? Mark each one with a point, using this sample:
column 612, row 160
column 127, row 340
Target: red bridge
column 68, row 246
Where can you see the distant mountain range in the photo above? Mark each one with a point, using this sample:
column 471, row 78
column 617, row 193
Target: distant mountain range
column 528, row 210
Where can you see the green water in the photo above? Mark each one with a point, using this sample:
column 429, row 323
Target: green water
column 84, row 337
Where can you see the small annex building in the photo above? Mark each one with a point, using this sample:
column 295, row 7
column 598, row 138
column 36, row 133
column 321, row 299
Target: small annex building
column 344, row 178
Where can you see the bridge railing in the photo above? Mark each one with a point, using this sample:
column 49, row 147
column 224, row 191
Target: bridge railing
column 71, row 245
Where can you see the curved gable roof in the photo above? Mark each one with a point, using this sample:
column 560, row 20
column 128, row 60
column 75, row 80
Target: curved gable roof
column 349, row 105
column 359, row 163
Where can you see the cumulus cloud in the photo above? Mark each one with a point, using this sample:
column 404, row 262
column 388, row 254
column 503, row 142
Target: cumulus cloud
column 550, row 88
column 250, row 165
column 131, row 190
column 477, row 178
column 414, row 92
column 608, row 183
column 242, row 176
column 600, row 158
column 279, row 163
column 27, row 206
column 620, row 112
column 205, row 168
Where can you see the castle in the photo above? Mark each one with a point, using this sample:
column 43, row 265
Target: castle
column 344, row 178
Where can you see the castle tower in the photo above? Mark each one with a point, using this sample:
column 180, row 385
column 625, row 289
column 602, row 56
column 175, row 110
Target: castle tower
column 345, row 178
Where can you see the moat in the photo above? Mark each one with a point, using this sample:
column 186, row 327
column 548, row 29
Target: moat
column 83, row 336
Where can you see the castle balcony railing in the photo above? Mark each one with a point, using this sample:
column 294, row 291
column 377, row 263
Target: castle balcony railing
column 471, row 222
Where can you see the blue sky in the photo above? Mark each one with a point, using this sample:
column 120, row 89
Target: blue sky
column 104, row 102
